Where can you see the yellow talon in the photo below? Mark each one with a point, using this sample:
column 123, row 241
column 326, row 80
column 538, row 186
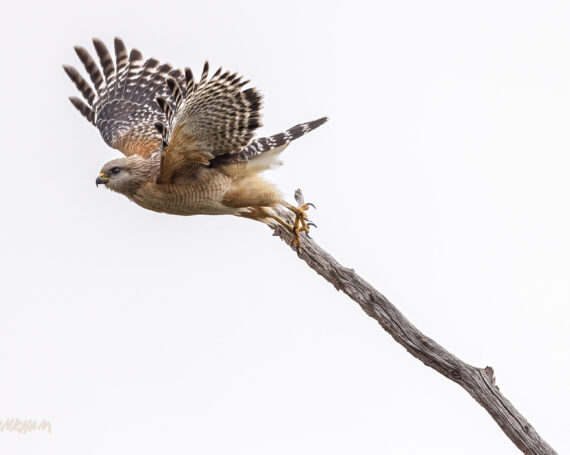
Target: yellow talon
column 300, row 223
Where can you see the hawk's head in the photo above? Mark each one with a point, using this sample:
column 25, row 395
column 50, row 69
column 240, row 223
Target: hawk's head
column 125, row 175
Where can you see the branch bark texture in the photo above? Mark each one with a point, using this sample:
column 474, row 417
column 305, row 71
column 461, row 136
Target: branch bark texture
column 478, row 382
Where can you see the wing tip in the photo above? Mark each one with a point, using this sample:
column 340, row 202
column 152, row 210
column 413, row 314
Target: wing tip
column 85, row 110
column 135, row 55
column 119, row 44
column 79, row 49
column 98, row 43
column 69, row 70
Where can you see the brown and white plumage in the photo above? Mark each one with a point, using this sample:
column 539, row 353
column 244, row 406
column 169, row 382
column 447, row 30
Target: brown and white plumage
column 188, row 145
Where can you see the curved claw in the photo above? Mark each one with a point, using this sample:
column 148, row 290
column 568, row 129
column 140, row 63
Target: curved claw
column 296, row 240
column 302, row 223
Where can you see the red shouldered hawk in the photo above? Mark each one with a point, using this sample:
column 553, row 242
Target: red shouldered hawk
column 188, row 144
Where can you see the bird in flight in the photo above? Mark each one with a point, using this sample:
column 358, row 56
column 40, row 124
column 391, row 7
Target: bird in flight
column 188, row 144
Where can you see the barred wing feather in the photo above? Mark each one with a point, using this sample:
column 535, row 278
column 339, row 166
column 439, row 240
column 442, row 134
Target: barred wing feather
column 212, row 118
column 121, row 101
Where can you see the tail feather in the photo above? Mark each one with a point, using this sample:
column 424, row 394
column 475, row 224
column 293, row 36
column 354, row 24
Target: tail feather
column 267, row 160
column 264, row 152
column 264, row 144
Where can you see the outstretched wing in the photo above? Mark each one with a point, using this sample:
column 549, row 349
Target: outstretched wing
column 212, row 118
column 121, row 103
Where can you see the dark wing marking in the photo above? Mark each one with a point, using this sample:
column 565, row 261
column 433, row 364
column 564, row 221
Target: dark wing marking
column 212, row 118
column 121, row 103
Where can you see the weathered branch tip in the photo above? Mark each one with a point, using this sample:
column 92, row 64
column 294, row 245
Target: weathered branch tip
column 478, row 382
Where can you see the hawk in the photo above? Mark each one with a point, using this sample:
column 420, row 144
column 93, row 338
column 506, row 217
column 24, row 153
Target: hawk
column 188, row 144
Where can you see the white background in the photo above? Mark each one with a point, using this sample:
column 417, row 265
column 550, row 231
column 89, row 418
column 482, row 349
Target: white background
column 442, row 178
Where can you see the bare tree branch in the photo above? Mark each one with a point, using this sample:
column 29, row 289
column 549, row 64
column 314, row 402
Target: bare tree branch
column 479, row 382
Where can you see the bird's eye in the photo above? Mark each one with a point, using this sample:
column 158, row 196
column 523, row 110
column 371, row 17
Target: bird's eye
column 115, row 170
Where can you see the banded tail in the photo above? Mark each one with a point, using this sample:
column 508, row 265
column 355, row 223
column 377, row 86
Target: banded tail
column 276, row 143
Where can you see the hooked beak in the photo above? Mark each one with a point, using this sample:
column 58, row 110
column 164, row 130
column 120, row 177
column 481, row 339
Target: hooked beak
column 101, row 180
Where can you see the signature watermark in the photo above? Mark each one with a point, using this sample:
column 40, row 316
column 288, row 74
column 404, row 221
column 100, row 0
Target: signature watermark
column 24, row 426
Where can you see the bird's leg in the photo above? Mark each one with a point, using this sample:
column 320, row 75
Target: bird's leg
column 280, row 220
column 301, row 224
